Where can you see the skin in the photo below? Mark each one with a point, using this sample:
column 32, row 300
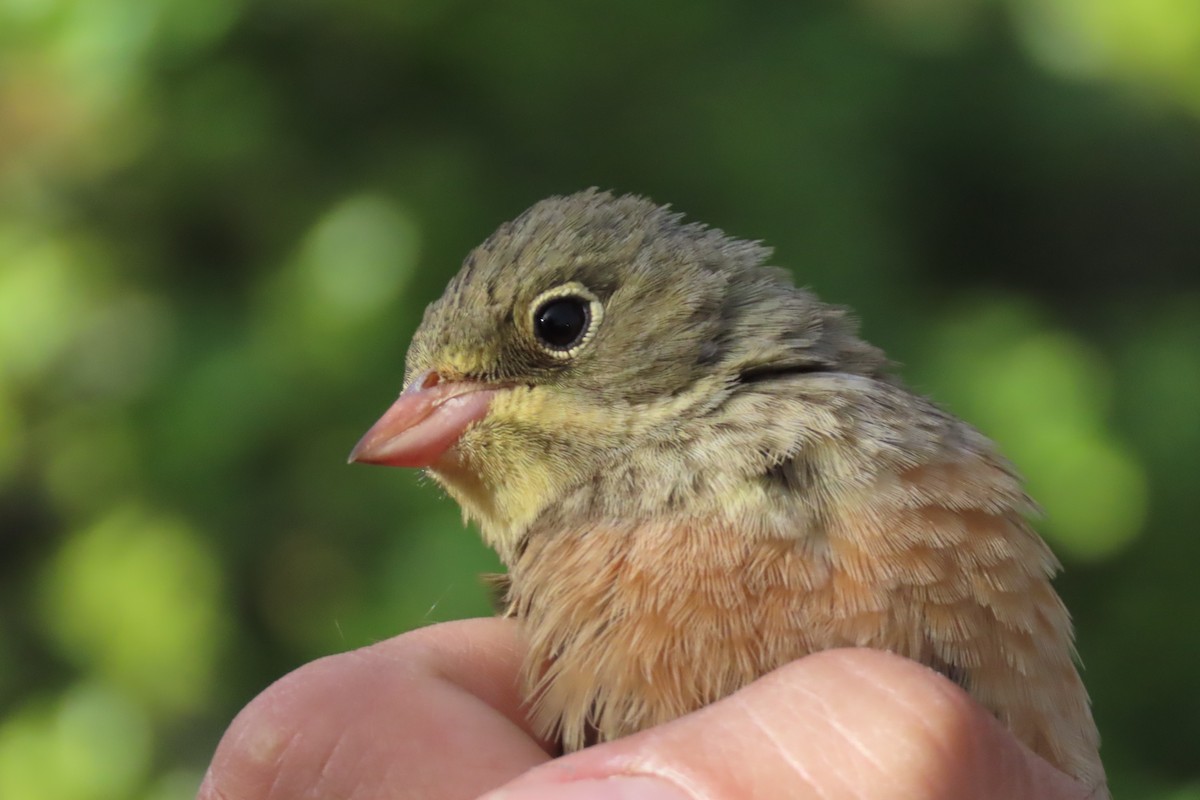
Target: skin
column 718, row 479
column 844, row 723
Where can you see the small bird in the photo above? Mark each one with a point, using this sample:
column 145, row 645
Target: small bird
column 696, row 472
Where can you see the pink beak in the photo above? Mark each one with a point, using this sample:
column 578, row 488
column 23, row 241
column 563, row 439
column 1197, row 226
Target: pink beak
column 427, row 419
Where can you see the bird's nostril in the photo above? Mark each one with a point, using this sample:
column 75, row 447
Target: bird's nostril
column 426, row 380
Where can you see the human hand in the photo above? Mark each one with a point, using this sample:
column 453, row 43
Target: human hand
column 437, row 713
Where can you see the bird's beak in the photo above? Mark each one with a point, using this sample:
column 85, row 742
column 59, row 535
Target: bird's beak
column 427, row 419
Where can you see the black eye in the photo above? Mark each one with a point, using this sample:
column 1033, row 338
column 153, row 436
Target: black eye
column 561, row 322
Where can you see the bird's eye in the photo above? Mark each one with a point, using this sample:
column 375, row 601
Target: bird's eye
column 565, row 318
column 562, row 322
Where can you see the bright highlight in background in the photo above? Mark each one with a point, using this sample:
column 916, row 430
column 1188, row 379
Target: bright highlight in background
column 357, row 258
column 1045, row 397
column 135, row 598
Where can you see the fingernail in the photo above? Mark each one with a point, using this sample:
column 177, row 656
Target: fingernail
column 618, row 787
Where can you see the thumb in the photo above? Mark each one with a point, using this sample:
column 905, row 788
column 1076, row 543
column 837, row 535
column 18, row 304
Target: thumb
column 842, row 723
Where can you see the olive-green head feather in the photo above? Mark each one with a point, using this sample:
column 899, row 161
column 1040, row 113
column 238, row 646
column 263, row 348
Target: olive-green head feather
column 606, row 321
column 665, row 303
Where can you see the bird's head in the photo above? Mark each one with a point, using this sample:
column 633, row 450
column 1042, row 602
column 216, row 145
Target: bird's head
column 590, row 325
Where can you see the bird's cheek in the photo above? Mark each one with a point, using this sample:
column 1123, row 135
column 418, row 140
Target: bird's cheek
column 485, row 447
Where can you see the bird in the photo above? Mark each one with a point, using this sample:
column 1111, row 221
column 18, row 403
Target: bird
column 696, row 472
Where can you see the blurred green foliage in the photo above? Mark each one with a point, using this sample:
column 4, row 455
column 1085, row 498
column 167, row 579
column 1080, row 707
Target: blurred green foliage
column 220, row 221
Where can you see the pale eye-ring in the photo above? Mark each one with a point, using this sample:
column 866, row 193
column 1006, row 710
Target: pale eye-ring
column 565, row 319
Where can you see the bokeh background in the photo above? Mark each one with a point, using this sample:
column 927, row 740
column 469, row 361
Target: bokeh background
column 220, row 221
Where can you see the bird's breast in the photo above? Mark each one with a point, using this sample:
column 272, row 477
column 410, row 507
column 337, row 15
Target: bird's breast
column 631, row 626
